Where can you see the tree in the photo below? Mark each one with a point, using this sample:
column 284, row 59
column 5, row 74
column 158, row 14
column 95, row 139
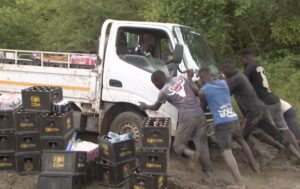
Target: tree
column 60, row 24
column 230, row 25
column 77, row 26
column 17, row 30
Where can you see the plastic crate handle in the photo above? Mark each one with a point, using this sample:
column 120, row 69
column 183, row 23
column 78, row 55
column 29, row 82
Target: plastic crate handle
column 51, row 123
column 4, row 158
column 3, row 138
column 4, row 116
column 26, row 118
column 124, row 146
column 141, row 180
column 28, row 159
column 81, row 158
column 156, row 134
column 153, row 158
column 55, row 96
column 52, row 144
column 27, row 139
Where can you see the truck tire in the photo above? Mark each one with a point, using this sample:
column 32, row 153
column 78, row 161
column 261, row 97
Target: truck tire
column 129, row 122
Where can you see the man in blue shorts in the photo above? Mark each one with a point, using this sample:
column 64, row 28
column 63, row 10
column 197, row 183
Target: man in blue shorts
column 217, row 96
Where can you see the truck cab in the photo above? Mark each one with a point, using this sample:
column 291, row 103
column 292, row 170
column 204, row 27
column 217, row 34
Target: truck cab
column 126, row 77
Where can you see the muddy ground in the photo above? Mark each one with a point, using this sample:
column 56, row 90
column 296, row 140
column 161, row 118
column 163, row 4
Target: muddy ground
column 278, row 171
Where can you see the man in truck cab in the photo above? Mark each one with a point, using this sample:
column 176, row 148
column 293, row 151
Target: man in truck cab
column 191, row 121
column 146, row 46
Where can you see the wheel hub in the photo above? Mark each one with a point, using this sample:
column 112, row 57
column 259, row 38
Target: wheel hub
column 131, row 128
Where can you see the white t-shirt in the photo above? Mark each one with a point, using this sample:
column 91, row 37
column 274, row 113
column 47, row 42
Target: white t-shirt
column 284, row 106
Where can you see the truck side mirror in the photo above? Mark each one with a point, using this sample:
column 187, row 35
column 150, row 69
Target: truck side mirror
column 177, row 54
column 176, row 60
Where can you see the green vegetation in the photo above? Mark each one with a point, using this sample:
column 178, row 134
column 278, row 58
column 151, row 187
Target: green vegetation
column 284, row 74
column 271, row 27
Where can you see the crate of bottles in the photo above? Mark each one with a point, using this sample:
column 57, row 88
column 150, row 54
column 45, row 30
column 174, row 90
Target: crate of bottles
column 59, row 181
column 155, row 133
column 114, row 175
column 116, row 151
column 56, row 142
column 137, row 180
column 60, row 161
column 28, row 162
column 153, row 161
column 7, row 160
column 55, row 124
column 7, row 141
column 41, row 98
column 27, row 141
column 26, row 121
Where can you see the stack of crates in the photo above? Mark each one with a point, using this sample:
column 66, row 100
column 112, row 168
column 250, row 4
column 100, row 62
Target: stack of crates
column 7, row 136
column 153, row 156
column 116, row 160
column 56, row 129
column 27, row 142
column 30, row 125
column 62, row 169
column 55, row 117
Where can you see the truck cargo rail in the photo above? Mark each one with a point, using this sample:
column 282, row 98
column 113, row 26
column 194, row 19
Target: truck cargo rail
column 48, row 59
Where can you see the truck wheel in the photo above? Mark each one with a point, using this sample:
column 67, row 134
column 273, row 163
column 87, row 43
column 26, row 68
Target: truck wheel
column 129, row 122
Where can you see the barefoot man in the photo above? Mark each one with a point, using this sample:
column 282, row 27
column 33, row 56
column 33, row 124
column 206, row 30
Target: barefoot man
column 217, row 96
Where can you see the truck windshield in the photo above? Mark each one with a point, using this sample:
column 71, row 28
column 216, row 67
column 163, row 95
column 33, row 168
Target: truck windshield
column 196, row 51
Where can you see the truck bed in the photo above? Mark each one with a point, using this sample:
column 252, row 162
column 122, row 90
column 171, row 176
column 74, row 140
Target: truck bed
column 79, row 81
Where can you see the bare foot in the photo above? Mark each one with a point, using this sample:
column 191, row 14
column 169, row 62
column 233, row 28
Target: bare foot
column 255, row 167
column 208, row 178
column 194, row 161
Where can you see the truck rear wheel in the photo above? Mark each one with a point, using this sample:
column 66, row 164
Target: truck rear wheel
column 129, row 122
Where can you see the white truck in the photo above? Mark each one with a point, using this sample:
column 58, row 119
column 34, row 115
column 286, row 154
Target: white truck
column 105, row 88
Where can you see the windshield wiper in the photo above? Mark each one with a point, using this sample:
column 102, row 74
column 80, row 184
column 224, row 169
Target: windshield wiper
column 195, row 33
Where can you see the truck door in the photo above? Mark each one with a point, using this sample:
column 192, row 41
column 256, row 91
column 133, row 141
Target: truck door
column 127, row 74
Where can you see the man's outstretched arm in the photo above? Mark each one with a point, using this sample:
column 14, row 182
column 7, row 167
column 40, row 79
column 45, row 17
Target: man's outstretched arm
column 143, row 106
column 191, row 83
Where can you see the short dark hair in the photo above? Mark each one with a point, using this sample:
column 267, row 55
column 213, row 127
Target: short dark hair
column 204, row 70
column 228, row 61
column 229, row 65
column 246, row 52
column 158, row 75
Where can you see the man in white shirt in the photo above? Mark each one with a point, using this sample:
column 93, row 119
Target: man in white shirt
column 290, row 118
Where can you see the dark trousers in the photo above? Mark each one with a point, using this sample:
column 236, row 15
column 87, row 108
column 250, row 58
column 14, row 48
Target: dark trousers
column 291, row 120
column 263, row 120
column 194, row 130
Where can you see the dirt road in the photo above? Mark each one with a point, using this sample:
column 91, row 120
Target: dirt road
column 279, row 171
